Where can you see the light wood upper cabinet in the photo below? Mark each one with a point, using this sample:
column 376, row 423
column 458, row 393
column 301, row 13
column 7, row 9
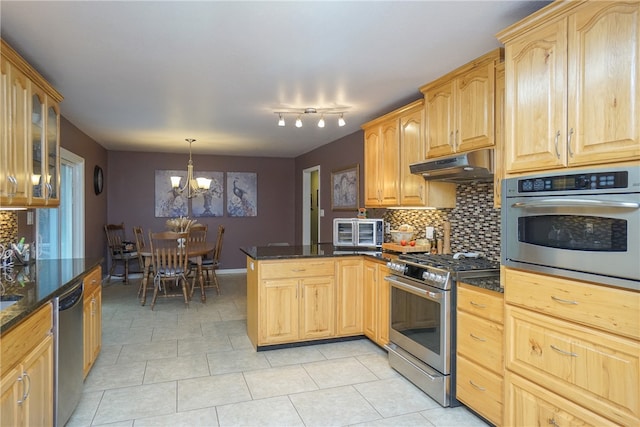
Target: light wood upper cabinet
column 29, row 135
column 572, row 71
column 391, row 143
column 498, row 153
column 460, row 108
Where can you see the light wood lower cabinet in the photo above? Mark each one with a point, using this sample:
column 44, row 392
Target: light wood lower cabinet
column 92, row 318
column 566, row 337
column 479, row 358
column 350, row 296
column 376, row 301
column 27, row 370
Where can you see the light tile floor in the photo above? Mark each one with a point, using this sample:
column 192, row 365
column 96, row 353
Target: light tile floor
column 178, row 366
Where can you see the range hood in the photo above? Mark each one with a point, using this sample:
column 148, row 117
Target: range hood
column 474, row 166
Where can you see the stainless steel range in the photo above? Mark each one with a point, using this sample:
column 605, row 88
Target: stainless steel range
column 422, row 318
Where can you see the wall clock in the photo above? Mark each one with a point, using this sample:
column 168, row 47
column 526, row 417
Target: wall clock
column 98, row 179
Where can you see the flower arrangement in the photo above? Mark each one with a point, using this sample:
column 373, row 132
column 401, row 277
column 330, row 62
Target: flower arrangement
column 180, row 224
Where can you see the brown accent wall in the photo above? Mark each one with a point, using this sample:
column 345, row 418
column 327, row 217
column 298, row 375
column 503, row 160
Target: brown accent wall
column 130, row 184
column 338, row 154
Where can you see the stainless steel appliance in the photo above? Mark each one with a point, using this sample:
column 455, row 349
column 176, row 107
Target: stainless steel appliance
column 69, row 353
column 354, row 232
column 472, row 166
column 583, row 225
column 422, row 318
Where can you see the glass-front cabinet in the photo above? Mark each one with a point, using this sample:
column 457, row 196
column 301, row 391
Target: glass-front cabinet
column 29, row 135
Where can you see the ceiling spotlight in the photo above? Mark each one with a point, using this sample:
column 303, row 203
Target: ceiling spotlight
column 298, row 122
column 281, row 120
column 321, row 122
column 299, row 112
column 341, row 121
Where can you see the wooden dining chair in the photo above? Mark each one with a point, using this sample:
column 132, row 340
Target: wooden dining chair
column 120, row 249
column 210, row 265
column 141, row 247
column 170, row 262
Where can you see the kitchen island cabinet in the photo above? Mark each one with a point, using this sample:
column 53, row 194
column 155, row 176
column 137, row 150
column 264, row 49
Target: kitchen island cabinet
column 27, row 369
column 92, row 318
column 572, row 70
column 571, row 351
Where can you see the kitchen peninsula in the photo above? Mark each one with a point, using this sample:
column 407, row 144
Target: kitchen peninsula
column 313, row 292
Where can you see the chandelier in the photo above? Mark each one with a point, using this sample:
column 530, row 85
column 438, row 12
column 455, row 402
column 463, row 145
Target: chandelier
column 193, row 186
column 300, row 112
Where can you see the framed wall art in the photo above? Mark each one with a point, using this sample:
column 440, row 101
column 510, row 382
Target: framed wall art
column 210, row 202
column 168, row 202
column 242, row 194
column 345, row 188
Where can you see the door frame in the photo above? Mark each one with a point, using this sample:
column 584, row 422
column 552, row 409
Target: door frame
column 306, row 195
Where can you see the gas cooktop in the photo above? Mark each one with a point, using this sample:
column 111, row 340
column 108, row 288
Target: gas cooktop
column 448, row 263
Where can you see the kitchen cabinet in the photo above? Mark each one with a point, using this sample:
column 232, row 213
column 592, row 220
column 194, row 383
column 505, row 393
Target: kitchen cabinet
column 27, row 369
column 29, row 135
column 480, row 363
column 376, row 296
column 572, row 70
column 349, row 298
column 391, row 143
column 498, row 152
column 460, row 108
column 578, row 341
column 92, row 318
column 294, row 300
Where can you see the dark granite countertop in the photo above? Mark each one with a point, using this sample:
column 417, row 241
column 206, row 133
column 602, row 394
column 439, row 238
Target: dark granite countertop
column 491, row 283
column 39, row 283
column 319, row 250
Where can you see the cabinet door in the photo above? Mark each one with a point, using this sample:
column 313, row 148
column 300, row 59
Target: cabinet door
column 499, row 137
column 87, row 333
column 412, row 150
column 535, row 82
column 38, row 365
column 440, row 122
column 349, row 298
column 370, row 276
column 604, row 73
column 12, row 389
column 384, row 305
column 38, row 149
column 92, row 332
column 474, row 109
column 279, row 311
column 317, row 307
column 52, row 138
column 372, row 152
column 390, row 179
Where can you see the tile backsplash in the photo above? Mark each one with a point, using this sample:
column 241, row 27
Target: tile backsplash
column 475, row 223
column 8, row 227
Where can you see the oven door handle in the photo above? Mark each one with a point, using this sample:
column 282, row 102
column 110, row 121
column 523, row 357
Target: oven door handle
column 433, row 296
column 591, row 203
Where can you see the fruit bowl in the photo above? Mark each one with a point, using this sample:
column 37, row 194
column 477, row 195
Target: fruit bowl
column 398, row 236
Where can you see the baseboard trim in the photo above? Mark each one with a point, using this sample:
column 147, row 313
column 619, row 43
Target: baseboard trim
column 232, row 271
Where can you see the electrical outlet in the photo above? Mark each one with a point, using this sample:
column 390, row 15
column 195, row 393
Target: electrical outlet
column 387, row 228
column 29, row 218
column 429, row 233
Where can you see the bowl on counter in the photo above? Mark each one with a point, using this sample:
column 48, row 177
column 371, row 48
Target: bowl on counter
column 397, row 236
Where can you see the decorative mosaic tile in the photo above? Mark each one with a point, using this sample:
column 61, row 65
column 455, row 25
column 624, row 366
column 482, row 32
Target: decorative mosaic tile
column 8, row 227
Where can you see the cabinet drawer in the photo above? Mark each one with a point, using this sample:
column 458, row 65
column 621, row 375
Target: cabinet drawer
column 481, row 302
column 92, row 281
column 481, row 341
column 286, row 269
column 479, row 389
column 27, row 335
column 598, row 370
column 527, row 404
column 610, row 309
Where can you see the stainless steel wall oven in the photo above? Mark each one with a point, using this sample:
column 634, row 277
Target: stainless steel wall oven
column 583, row 225
column 422, row 319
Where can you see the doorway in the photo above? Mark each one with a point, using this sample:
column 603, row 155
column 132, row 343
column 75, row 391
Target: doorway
column 311, row 210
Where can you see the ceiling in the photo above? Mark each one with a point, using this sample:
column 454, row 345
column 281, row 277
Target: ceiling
column 145, row 75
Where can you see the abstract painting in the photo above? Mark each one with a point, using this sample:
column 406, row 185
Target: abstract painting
column 242, row 197
column 345, row 188
column 170, row 203
column 209, row 203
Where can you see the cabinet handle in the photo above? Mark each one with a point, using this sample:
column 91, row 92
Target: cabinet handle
column 298, row 270
column 455, row 141
column 553, row 422
column 475, row 304
column 477, row 387
column 451, row 142
column 26, row 384
column 564, row 301
column 477, row 338
column 569, row 142
column 556, row 144
column 566, row 353
column 14, row 185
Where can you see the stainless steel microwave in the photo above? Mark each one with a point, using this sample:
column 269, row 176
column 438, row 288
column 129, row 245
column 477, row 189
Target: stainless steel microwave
column 354, row 232
column 583, row 225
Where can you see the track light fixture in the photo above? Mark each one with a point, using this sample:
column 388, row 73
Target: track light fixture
column 300, row 112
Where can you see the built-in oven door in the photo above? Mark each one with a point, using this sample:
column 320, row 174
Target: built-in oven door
column 576, row 235
column 420, row 321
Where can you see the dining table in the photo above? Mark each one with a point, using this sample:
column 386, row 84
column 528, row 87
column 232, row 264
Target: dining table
column 195, row 252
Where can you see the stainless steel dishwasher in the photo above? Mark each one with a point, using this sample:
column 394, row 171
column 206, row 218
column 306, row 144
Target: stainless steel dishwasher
column 68, row 381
